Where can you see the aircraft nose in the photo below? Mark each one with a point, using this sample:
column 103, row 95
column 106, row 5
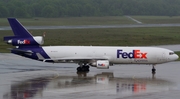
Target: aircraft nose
column 176, row 57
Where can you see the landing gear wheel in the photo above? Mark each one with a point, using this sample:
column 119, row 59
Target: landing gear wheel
column 83, row 68
column 79, row 69
column 153, row 70
column 86, row 68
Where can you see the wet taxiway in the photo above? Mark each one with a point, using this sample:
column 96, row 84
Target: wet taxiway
column 22, row 78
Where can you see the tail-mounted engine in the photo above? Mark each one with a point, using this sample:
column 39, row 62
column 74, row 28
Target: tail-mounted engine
column 19, row 41
column 100, row 64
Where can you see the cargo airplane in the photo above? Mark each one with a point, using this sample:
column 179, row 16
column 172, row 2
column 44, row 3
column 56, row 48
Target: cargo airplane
column 85, row 56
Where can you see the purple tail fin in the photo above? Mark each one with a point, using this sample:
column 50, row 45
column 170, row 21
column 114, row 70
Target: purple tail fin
column 22, row 37
column 18, row 28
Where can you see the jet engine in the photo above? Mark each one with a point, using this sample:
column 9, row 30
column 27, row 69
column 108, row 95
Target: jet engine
column 37, row 40
column 100, row 64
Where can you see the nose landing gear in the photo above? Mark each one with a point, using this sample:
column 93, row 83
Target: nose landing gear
column 153, row 69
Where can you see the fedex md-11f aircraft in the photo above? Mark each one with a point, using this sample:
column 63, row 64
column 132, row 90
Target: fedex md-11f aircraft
column 96, row 56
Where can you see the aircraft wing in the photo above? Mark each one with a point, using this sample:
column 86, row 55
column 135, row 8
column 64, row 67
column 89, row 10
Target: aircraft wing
column 70, row 59
column 75, row 59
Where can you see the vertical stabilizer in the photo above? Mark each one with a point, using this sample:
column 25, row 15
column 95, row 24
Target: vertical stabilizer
column 18, row 28
column 22, row 37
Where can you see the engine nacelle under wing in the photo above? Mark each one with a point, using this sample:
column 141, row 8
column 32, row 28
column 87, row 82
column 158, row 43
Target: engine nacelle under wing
column 101, row 64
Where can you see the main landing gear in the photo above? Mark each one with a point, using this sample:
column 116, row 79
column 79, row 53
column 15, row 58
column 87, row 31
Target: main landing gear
column 83, row 68
column 153, row 69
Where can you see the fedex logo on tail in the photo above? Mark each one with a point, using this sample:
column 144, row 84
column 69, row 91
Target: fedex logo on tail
column 136, row 54
column 23, row 42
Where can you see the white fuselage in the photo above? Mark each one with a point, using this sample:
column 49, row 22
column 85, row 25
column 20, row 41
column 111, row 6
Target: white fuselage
column 115, row 55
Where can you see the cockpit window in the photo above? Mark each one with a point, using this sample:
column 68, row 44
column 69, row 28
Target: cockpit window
column 171, row 53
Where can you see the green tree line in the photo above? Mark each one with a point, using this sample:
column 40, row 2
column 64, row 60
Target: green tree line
column 79, row 8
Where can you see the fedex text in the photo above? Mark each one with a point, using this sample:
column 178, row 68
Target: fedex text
column 23, row 42
column 136, row 54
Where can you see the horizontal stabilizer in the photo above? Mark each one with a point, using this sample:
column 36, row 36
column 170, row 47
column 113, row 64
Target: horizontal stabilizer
column 21, row 51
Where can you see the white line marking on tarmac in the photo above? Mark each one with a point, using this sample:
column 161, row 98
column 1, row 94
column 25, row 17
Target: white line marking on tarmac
column 134, row 20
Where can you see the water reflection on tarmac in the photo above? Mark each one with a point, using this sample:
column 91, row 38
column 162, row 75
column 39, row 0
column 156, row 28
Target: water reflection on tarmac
column 22, row 78
column 97, row 85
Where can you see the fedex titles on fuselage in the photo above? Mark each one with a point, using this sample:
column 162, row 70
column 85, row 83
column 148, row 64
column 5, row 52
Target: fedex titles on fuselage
column 135, row 54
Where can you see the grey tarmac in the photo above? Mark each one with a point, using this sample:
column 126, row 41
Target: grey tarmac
column 22, row 78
